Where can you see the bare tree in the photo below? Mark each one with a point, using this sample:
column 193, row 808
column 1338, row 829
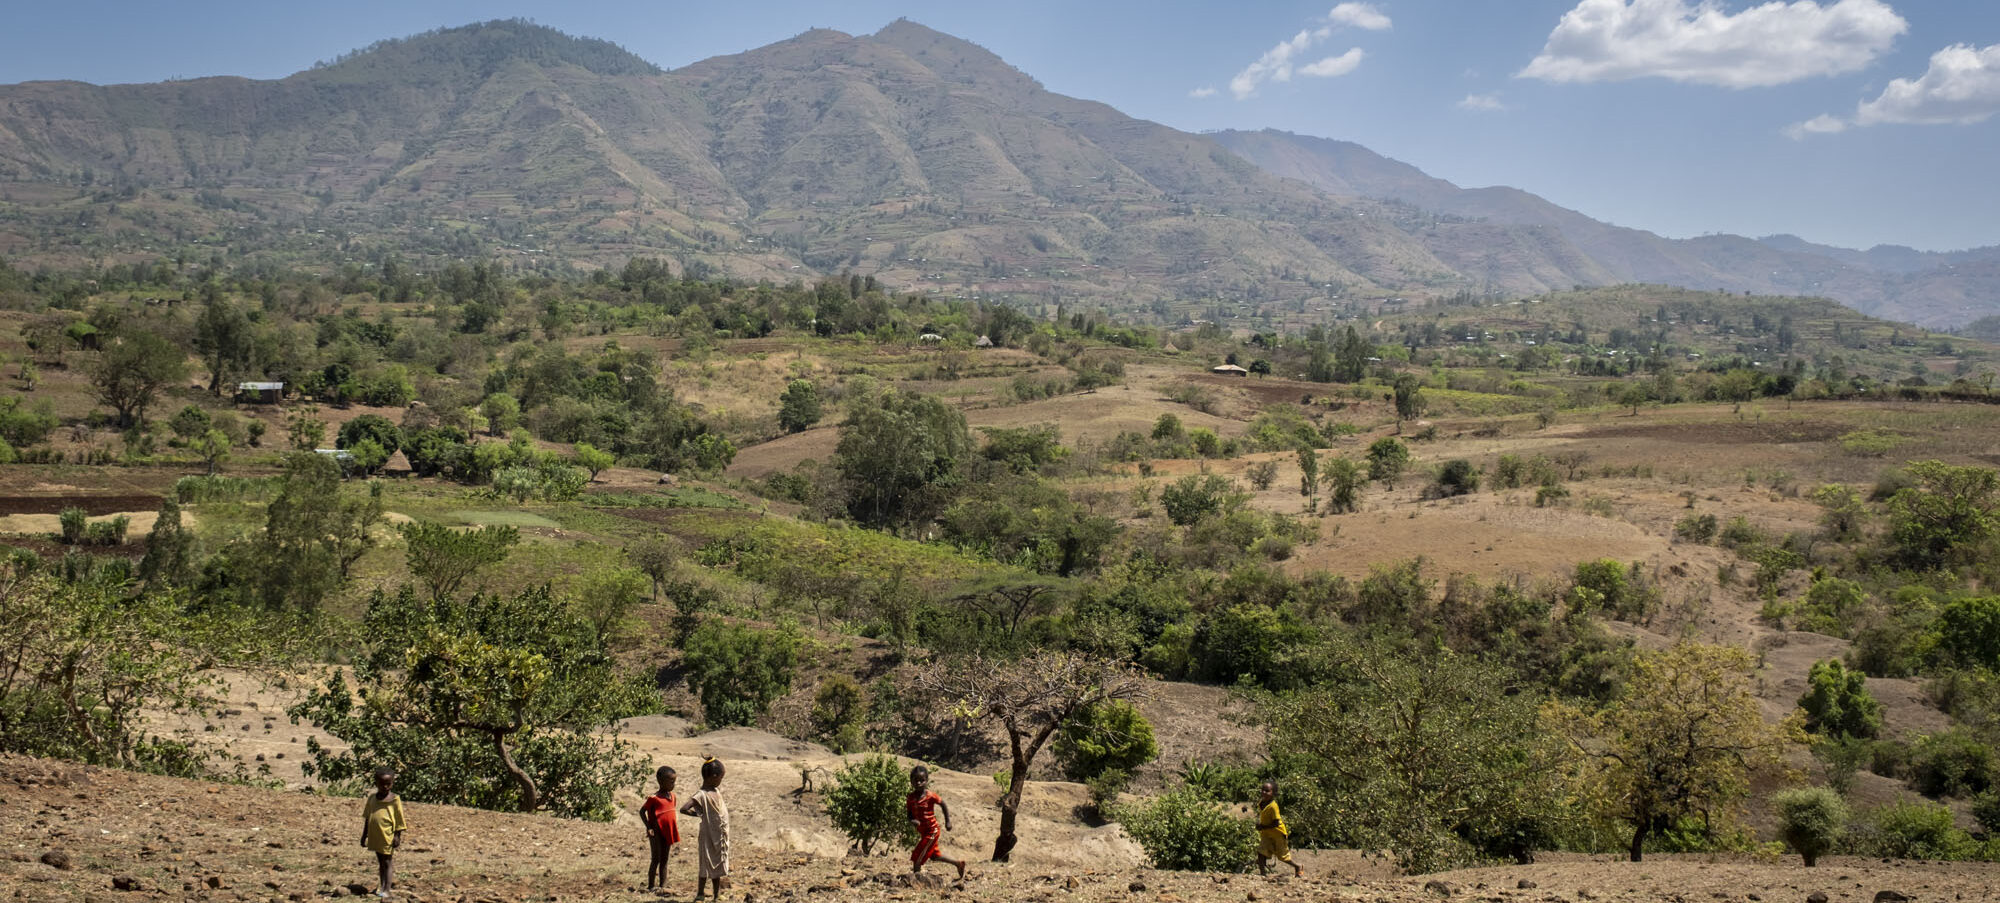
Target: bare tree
column 1032, row 697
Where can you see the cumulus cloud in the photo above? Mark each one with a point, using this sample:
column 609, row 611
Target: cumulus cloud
column 1773, row 43
column 1961, row 87
column 1201, row 92
column 1280, row 63
column 1484, row 103
column 1334, row 65
column 1359, row 15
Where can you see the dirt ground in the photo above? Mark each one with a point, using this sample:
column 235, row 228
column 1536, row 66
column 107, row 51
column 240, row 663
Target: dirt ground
column 79, row 833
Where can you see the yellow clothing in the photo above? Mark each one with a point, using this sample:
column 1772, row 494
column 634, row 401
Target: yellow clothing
column 382, row 822
column 1272, row 833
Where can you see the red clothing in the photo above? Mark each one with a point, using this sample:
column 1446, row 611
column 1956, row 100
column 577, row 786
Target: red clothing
column 923, row 810
column 658, row 811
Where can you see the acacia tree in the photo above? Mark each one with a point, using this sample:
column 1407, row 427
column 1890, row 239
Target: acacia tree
column 132, row 370
column 1684, row 740
column 1032, row 698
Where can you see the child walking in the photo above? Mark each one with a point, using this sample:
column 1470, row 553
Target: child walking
column 712, row 845
column 923, row 805
column 1272, row 833
column 663, row 827
column 382, row 828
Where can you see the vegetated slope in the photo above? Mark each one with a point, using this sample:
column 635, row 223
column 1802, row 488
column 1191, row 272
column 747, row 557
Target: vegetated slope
column 907, row 153
column 1897, row 283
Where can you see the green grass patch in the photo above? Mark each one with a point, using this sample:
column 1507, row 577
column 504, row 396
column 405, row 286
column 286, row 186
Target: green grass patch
column 501, row 519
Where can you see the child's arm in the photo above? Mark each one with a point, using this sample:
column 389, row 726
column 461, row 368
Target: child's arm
column 691, row 807
column 396, row 842
column 946, row 810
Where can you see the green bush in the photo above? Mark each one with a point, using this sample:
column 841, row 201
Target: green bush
column 370, row 427
column 1696, row 528
column 1184, row 831
column 739, row 671
column 73, row 521
column 1912, row 829
column 1986, row 810
column 1738, row 533
column 839, row 708
column 1387, row 458
column 1456, row 477
column 1812, row 820
column 866, row 803
column 1955, row 762
column 1837, row 702
column 1103, row 738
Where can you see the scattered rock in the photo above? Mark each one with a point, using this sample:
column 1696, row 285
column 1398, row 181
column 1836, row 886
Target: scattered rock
column 1137, row 887
column 358, row 889
column 1525, row 884
column 58, row 859
column 1890, row 896
column 1816, row 897
column 214, row 882
column 124, row 882
column 1440, row 888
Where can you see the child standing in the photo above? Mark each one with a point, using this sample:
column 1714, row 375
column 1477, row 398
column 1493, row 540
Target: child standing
column 382, row 828
column 663, row 827
column 1272, row 833
column 712, row 845
column 923, row 806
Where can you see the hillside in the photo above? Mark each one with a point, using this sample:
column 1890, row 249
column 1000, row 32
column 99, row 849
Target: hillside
column 1930, row 289
column 907, row 154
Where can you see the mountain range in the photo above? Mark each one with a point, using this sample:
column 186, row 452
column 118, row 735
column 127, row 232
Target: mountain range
column 908, row 154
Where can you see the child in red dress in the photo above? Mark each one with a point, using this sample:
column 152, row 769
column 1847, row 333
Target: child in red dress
column 663, row 828
column 923, row 806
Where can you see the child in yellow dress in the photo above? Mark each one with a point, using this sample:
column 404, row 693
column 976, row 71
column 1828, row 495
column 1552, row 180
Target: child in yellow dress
column 1271, row 832
column 382, row 828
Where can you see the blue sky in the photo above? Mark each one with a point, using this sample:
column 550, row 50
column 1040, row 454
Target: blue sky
column 1851, row 122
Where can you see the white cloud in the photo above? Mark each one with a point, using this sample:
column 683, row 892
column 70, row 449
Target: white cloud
column 1279, row 63
column 1334, row 65
column 1359, row 15
column 1773, row 43
column 1485, row 103
column 1961, row 87
column 1201, row 92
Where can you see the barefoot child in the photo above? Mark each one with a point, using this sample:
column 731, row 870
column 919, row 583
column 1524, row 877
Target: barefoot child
column 382, row 828
column 712, row 845
column 663, row 828
column 1271, row 832
column 922, row 806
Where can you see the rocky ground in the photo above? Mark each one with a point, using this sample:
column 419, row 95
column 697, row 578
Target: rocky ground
column 70, row 832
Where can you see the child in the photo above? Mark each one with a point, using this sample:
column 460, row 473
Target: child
column 663, row 827
column 382, row 827
column 920, row 805
column 1271, row 833
column 712, row 846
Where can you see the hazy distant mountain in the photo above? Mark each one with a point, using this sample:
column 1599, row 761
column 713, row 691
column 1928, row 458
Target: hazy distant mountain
column 1895, row 282
column 907, row 153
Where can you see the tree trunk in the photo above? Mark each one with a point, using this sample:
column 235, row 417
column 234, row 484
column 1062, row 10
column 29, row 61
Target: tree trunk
column 1639, row 839
column 531, row 797
column 1010, row 806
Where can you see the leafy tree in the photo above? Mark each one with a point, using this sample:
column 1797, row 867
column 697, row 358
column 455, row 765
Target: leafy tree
column 305, row 429
column 1968, row 630
column 1186, row 831
column 444, row 558
column 1434, row 757
column 1456, row 477
column 502, row 412
column 1837, row 703
column 739, row 671
column 866, row 803
column 838, row 712
column 372, row 428
column 1112, row 737
column 1168, row 429
column 1024, row 450
column 1684, row 740
column 213, row 448
column 1031, row 698
column 1350, row 356
column 1947, row 517
column 190, row 422
column 171, row 553
column 1388, row 457
column 312, row 534
column 496, row 702
column 368, row 457
column 21, row 427
column 1309, row 477
column 591, row 459
column 226, row 341
column 656, row 558
column 1409, row 398
column 900, row 455
column 132, row 370
column 1192, row 498
column 1023, row 521
column 1344, row 479
column 799, row 406
column 1812, row 820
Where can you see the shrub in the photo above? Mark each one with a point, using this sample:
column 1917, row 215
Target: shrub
column 1105, row 738
column 737, row 671
column 1953, row 763
column 1387, row 458
column 189, row 422
column 1696, row 528
column 1912, row 829
column 73, row 521
column 1986, row 810
column 1183, row 831
column 866, row 803
column 1262, row 474
column 1739, row 534
column 1456, row 477
column 1812, row 820
column 837, row 713
column 370, row 427
column 107, row 532
column 1837, row 702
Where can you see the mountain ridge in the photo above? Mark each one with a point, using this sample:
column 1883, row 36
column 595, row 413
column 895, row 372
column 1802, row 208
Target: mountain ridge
column 909, row 154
